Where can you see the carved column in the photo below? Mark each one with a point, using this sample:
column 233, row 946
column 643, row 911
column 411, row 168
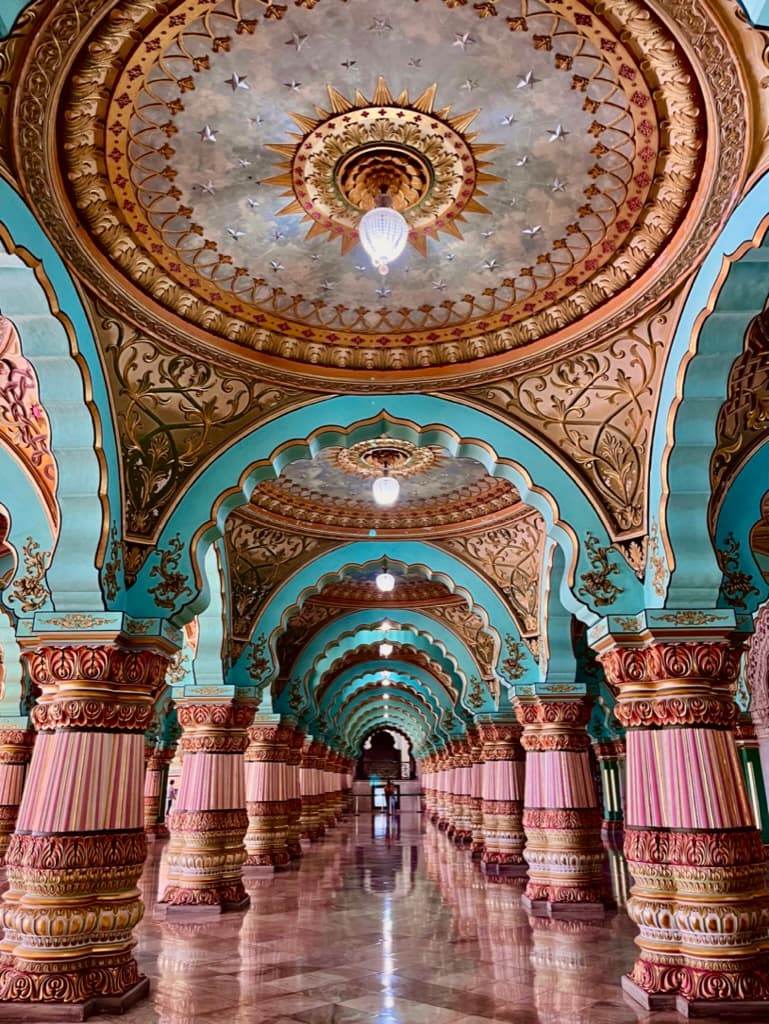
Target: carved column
column 462, row 830
column 561, row 818
column 475, row 747
column 79, row 847
column 269, row 791
column 502, row 781
column 208, row 822
column 611, row 761
column 750, row 759
column 293, row 787
column 445, row 792
column 700, row 894
column 154, row 793
column 311, row 827
column 15, row 752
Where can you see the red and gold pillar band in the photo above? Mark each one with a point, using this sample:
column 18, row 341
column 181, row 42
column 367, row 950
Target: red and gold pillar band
column 15, row 752
column 502, row 779
column 561, row 818
column 475, row 748
column 208, row 822
column 79, row 847
column 154, row 777
column 311, row 825
column 295, row 749
column 700, row 887
column 269, row 792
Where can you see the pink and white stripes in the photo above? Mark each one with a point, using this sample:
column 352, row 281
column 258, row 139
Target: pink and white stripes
column 84, row 782
column 211, row 782
column 559, row 778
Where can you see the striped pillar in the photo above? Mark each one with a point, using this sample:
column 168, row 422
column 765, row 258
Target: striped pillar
column 15, row 752
column 311, row 827
column 462, row 832
column 561, row 818
column 502, row 778
column 269, row 790
column 154, row 777
column 611, row 761
column 293, row 786
column 475, row 748
column 700, row 895
column 208, row 821
column 75, row 858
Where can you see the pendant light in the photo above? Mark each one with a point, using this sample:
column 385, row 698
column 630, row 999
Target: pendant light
column 385, row 581
column 383, row 233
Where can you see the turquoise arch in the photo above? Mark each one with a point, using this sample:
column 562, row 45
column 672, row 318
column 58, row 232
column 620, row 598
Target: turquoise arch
column 367, row 692
column 696, row 578
column 403, row 674
column 474, row 434
column 63, row 382
column 739, row 513
column 365, row 716
column 11, row 9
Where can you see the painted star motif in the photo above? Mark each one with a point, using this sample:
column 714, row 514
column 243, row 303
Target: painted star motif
column 328, row 286
column 236, row 233
column 380, row 25
column 522, row 160
column 293, row 85
column 208, row 188
column 236, row 81
column 360, row 267
column 557, row 134
column 531, row 231
column 529, row 80
column 244, row 163
column 557, row 185
column 277, row 235
column 349, row 64
column 297, row 40
column 490, row 265
column 487, row 234
column 451, row 256
column 508, row 120
column 439, row 285
column 257, row 120
column 463, row 40
column 315, row 257
column 382, row 293
column 208, row 134
column 276, row 265
column 415, row 62
column 253, row 203
column 469, row 84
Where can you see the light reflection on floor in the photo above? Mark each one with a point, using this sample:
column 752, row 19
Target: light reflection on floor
column 384, row 922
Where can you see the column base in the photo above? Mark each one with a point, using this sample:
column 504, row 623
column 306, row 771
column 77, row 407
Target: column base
column 562, row 910
column 177, row 910
column 493, row 869
column 46, row 1012
column 158, row 832
column 724, row 1009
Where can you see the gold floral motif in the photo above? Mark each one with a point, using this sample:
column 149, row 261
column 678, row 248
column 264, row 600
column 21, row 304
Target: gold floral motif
column 259, row 665
column 510, row 557
column 482, row 643
column 476, row 697
column 596, row 582
column 30, row 590
column 110, row 576
column 178, row 668
column 77, row 620
column 657, row 561
column 736, row 585
column 513, row 665
column 688, row 618
column 172, row 584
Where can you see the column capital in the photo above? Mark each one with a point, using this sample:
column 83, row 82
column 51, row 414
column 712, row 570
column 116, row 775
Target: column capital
column 209, row 727
column 554, row 723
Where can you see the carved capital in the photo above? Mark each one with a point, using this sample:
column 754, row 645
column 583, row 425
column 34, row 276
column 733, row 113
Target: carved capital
column 553, row 724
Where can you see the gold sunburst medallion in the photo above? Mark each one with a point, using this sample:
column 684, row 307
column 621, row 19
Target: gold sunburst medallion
column 424, row 159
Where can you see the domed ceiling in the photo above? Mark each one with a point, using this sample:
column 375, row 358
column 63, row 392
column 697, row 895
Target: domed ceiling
column 552, row 161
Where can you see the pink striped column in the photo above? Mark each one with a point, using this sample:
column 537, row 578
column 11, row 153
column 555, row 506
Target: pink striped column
column 700, row 895
column 269, row 790
column 462, row 830
column 78, row 850
column 561, row 817
column 15, row 752
column 311, row 827
column 154, row 776
column 207, row 825
column 475, row 748
column 294, row 788
column 502, row 779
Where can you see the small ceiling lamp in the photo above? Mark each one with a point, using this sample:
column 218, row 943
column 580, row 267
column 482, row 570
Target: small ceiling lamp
column 385, row 581
column 385, row 650
column 385, row 696
column 386, row 489
column 383, row 233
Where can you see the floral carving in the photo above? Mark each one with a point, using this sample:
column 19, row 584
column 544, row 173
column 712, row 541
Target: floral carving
column 259, row 665
column 110, row 576
column 29, row 590
column 482, row 643
column 513, row 664
column 596, row 582
column 736, row 585
column 511, row 557
column 476, row 697
column 24, row 423
column 657, row 561
column 172, row 584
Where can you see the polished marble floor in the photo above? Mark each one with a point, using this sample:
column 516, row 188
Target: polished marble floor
column 384, row 922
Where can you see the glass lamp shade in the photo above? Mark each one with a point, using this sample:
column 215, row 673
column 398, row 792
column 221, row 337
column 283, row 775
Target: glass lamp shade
column 385, row 650
column 383, row 234
column 386, row 490
column 385, row 581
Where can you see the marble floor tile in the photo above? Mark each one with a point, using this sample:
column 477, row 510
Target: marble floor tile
column 374, row 928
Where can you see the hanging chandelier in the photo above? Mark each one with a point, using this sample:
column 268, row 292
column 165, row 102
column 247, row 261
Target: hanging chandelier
column 385, row 581
column 383, row 233
column 386, row 489
column 385, row 650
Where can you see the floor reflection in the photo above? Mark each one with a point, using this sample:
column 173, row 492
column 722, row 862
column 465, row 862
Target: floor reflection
column 385, row 921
